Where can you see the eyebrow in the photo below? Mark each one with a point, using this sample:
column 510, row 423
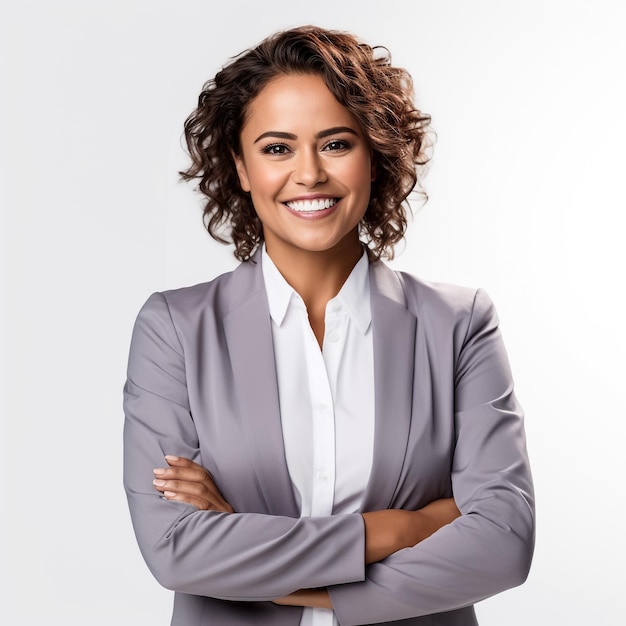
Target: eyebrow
column 323, row 133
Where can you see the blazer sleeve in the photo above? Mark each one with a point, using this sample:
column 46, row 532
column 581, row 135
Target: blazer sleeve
column 239, row 556
column 489, row 548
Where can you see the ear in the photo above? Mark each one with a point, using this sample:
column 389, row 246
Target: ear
column 372, row 166
column 242, row 172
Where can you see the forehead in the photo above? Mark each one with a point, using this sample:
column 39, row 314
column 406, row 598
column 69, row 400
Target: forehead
column 295, row 101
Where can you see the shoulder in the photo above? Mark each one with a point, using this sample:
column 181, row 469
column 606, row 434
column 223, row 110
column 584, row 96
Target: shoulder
column 438, row 306
column 216, row 297
column 464, row 310
column 425, row 296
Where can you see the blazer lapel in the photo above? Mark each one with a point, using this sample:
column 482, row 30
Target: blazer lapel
column 248, row 334
column 393, row 328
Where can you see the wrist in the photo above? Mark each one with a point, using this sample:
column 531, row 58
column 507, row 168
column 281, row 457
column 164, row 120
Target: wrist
column 313, row 598
column 386, row 532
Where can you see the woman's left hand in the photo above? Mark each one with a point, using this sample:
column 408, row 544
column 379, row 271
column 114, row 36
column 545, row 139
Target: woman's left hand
column 186, row 481
column 315, row 598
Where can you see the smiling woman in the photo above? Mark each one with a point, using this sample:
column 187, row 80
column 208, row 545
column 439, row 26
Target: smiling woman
column 342, row 442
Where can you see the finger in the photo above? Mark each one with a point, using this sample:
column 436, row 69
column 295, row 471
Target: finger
column 198, row 475
column 182, row 486
column 194, row 482
column 194, row 491
column 200, row 503
column 196, row 479
column 181, row 461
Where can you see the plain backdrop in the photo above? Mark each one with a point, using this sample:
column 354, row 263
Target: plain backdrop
column 526, row 200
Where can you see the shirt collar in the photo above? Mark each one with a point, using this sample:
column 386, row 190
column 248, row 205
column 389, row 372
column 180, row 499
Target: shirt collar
column 354, row 294
column 279, row 291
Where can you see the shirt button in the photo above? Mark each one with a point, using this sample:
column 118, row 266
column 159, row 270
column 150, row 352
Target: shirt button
column 334, row 337
column 335, row 305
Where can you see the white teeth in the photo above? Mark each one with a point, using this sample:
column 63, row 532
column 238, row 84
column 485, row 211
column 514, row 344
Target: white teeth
column 311, row 205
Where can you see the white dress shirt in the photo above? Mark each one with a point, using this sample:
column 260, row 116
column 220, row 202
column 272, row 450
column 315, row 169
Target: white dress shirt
column 326, row 397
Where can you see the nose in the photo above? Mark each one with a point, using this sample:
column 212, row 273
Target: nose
column 309, row 168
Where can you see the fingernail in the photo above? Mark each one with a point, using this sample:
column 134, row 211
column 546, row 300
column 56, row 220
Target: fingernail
column 158, row 483
column 158, row 471
column 171, row 457
column 169, row 494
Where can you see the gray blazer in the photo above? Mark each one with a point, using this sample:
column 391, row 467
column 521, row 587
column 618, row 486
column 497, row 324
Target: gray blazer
column 202, row 384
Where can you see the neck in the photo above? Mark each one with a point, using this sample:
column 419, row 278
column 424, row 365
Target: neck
column 317, row 276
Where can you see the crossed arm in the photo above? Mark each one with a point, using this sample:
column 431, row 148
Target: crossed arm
column 486, row 550
column 386, row 531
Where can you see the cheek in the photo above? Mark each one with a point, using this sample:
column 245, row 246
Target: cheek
column 360, row 183
column 264, row 180
column 359, row 173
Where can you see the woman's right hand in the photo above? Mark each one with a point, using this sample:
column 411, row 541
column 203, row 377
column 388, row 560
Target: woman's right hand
column 391, row 530
column 186, row 481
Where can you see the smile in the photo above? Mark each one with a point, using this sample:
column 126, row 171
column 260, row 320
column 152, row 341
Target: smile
column 312, row 206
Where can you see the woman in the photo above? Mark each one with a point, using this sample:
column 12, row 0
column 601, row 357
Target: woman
column 318, row 411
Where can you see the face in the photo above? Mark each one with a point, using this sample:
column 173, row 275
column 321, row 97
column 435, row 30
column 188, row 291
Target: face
column 307, row 165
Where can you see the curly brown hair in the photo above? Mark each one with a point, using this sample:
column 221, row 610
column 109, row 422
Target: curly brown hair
column 362, row 79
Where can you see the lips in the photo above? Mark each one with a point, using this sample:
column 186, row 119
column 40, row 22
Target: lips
column 312, row 205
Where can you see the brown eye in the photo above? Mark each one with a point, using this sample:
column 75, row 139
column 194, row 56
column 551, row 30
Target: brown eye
column 336, row 144
column 276, row 149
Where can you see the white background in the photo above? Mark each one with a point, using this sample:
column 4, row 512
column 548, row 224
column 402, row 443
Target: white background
column 526, row 200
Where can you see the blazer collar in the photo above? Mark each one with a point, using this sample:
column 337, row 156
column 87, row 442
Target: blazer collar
column 248, row 331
